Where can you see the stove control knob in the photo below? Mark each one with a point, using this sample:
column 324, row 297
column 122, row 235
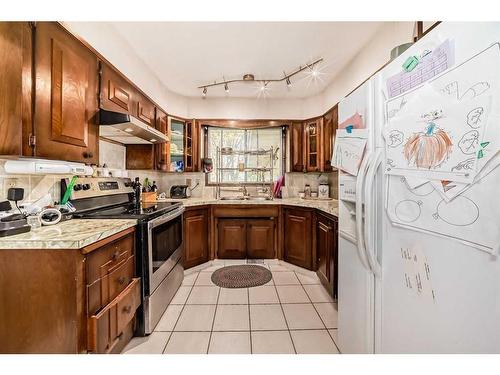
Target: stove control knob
column 86, row 186
column 77, row 187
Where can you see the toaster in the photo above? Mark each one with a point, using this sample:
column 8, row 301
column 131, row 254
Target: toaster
column 180, row 192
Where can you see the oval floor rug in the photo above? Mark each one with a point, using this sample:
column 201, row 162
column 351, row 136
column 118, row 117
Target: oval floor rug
column 241, row 276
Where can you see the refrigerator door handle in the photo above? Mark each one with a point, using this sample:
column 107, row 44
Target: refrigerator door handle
column 369, row 225
column 359, row 211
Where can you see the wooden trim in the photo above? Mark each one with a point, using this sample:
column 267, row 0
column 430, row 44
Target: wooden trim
column 429, row 29
column 244, row 123
column 105, row 241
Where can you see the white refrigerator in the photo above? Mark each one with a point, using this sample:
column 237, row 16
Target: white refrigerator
column 456, row 309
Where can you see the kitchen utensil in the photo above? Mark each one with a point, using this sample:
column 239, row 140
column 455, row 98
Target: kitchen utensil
column 69, row 189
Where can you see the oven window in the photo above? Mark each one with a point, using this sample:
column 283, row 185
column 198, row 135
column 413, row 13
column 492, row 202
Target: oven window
column 167, row 238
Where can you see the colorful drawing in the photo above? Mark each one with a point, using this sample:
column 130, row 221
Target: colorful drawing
column 428, row 149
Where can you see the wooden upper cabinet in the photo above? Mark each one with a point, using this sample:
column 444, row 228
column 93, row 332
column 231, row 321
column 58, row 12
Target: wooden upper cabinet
column 313, row 146
column 297, row 147
column 188, row 146
column 116, row 92
column 328, row 131
column 66, row 95
column 15, row 88
column 163, row 149
column 196, row 146
column 144, row 109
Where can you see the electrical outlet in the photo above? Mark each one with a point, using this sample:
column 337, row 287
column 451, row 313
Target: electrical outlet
column 10, row 183
column 188, row 182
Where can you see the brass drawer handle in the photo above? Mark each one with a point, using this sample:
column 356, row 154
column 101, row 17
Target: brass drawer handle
column 127, row 309
column 115, row 255
column 121, row 280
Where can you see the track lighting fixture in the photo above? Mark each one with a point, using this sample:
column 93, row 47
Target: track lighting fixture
column 248, row 77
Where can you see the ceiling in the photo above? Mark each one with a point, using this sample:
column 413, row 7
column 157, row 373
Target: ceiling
column 185, row 55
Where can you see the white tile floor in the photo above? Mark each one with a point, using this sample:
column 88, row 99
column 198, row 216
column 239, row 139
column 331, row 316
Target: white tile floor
column 293, row 313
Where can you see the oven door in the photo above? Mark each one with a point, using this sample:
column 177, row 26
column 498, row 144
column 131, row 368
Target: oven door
column 165, row 237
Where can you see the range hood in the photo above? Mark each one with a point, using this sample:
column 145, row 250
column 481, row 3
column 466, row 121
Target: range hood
column 127, row 129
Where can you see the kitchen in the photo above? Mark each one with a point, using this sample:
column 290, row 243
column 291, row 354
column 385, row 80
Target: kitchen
column 159, row 205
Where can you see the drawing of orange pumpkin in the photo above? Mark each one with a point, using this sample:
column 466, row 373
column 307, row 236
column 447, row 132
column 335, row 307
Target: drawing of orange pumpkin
column 428, row 149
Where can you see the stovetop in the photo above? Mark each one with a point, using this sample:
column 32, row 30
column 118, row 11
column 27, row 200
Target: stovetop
column 145, row 211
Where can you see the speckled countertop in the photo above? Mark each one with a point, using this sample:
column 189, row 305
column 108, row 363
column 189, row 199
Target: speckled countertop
column 330, row 207
column 71, row 234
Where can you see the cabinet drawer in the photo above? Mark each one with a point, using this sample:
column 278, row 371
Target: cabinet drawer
column 105, row 328
column 105, row 260
column 244, row 211
column 105, row 289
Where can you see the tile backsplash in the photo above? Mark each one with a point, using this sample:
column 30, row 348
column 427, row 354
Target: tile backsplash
column 36, row 186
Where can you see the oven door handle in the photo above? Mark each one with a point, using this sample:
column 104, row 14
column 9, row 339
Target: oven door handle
column 163, row 219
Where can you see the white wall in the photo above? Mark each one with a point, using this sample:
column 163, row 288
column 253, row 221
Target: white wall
column 372, row 57
column 105, row 39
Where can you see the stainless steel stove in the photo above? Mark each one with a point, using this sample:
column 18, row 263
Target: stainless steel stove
column 159, row 238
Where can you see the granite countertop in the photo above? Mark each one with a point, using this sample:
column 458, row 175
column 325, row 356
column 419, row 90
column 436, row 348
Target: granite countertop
column 329, row 207
column 71, row 234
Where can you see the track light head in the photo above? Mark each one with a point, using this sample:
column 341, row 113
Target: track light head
column 288, row 82
column 226, row 88
column 204, row 94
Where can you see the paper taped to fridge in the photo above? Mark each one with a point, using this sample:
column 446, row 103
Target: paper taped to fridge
column 348, row 150
column 471, row 218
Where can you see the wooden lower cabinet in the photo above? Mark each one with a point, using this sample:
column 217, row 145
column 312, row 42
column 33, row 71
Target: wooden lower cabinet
column 196, row 237
column 232, row 239
column 260, row 238
column 298, row 236
column 69, row 300
column 327, row 252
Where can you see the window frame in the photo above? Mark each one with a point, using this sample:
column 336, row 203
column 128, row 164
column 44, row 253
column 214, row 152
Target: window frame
column 283, row 144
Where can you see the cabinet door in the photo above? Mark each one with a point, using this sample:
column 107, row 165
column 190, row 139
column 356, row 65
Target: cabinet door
column 334, row 259
column 116, row 92
column 231, row 239
column 144, row 109
column 66, row 102
column 297, row 147
column 140, row 157
column 195, row 237
column 188, row 146
column 196, row 146
column 162, row 149
column 328, row 129
column 298, row 234
column 313, row 145
column 260, row 238
column 15, row 88
column 323, row 252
